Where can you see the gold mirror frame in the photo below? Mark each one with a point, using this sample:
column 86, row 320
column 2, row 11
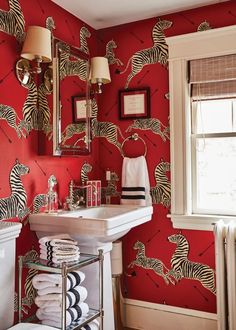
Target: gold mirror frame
column 62, row 72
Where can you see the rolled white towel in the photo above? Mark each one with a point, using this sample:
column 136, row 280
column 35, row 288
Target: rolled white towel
column 58, row 240
column 76, row 295
column 44, row 280
column 72, row 314
column 94, row 325
column 73, row 297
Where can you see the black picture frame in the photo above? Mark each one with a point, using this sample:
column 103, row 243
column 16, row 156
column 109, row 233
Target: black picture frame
column 134, row 103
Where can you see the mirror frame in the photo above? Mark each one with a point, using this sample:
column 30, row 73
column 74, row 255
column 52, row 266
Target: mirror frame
column 60, row 149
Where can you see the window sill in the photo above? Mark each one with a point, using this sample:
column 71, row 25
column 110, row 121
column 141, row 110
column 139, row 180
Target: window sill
column 197, row 221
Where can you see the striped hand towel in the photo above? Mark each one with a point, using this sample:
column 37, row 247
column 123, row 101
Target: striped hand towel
column 135, row 182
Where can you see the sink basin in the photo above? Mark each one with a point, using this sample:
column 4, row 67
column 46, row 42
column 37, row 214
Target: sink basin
column 96, row 226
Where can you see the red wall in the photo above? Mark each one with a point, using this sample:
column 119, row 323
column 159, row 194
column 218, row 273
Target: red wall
column 14, row 95
column 140, row 283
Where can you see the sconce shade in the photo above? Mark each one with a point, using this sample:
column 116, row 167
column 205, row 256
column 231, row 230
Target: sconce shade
column 99, row 70
column 37, row 44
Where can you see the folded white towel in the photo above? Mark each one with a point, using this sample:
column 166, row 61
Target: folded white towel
column 135, row 182
column 60, row 259
column 72, row 314
column 51, row 254
column 66, row 248
column 48, row 303
column 58, row 240
column 44, row 280
column 49, row 290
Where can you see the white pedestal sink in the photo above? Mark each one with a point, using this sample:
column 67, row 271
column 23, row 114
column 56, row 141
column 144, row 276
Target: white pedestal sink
column 94, row 228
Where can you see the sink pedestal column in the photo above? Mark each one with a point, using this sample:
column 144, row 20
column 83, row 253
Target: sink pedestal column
column 91, row 283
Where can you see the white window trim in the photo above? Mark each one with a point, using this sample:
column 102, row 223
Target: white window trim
column 182, row 48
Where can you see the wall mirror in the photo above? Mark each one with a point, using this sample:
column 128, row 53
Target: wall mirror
column 71, row 101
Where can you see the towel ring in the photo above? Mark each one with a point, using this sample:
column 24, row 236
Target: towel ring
column 134, row 137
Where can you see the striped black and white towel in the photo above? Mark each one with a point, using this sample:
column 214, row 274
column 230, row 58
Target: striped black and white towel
column 135, row 182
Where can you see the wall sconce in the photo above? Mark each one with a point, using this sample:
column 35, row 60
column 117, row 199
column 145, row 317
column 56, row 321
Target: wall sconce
column 99, row 72
column 37, row 47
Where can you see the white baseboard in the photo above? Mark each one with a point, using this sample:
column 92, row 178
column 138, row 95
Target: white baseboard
column 149, row 316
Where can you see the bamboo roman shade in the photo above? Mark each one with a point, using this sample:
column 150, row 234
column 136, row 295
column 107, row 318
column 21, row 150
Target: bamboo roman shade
column 213, row 78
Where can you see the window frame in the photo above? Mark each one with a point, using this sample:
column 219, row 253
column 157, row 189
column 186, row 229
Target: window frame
column 183, row 48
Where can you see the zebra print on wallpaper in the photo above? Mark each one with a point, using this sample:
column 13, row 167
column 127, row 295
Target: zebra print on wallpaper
column 68, row 67
column 86, row 168
column 30, row 292
column 182, row 267
column 150, row 263
column 152, row 124
column 12, row 21
column 158, row 53
column 30, row 109
column 15, row 205
column 161, row 193
column 50, row 24
column 8, row 114
column 84, row 34
column 44, row 112
column 104, row 129
column 110, row 55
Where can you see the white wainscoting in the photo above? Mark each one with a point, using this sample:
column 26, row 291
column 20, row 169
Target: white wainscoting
column 149, row 316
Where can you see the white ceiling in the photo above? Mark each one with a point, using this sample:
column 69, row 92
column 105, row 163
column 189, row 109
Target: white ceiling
column 105, row 13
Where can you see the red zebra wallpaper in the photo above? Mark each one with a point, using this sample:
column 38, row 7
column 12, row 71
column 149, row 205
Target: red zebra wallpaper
column 154, row 279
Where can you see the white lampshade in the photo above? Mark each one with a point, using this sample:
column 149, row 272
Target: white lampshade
column 99, row 70
column 37, row 44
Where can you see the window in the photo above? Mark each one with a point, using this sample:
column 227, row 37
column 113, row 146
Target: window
column 213, row 151
column 203, row 129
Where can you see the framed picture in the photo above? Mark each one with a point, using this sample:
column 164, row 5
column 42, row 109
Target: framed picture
column 79, row 108
column 134, row 103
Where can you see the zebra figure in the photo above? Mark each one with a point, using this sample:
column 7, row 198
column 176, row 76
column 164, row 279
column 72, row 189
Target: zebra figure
column 8, row 114
column 184, row 268
column 44, row 113
column 84, row 34
column 12, row 21
column 78, row 67
column 153, row 124
column 15, row 205
column 150, row 263
column 86, row 168
column 161, row 193
column 110, row 55
column 39, row 201
column 30, row 109
column 157, row 53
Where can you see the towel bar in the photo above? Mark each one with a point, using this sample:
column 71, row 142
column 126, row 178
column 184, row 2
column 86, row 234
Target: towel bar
column 134, row 137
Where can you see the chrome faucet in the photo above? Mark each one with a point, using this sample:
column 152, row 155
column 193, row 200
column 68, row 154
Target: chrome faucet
column 77, row 195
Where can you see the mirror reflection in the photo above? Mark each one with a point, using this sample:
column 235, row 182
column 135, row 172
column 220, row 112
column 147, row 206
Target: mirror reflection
column 71, row 104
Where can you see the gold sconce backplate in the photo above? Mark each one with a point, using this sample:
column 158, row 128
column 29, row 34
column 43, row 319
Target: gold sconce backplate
column 23, row 71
